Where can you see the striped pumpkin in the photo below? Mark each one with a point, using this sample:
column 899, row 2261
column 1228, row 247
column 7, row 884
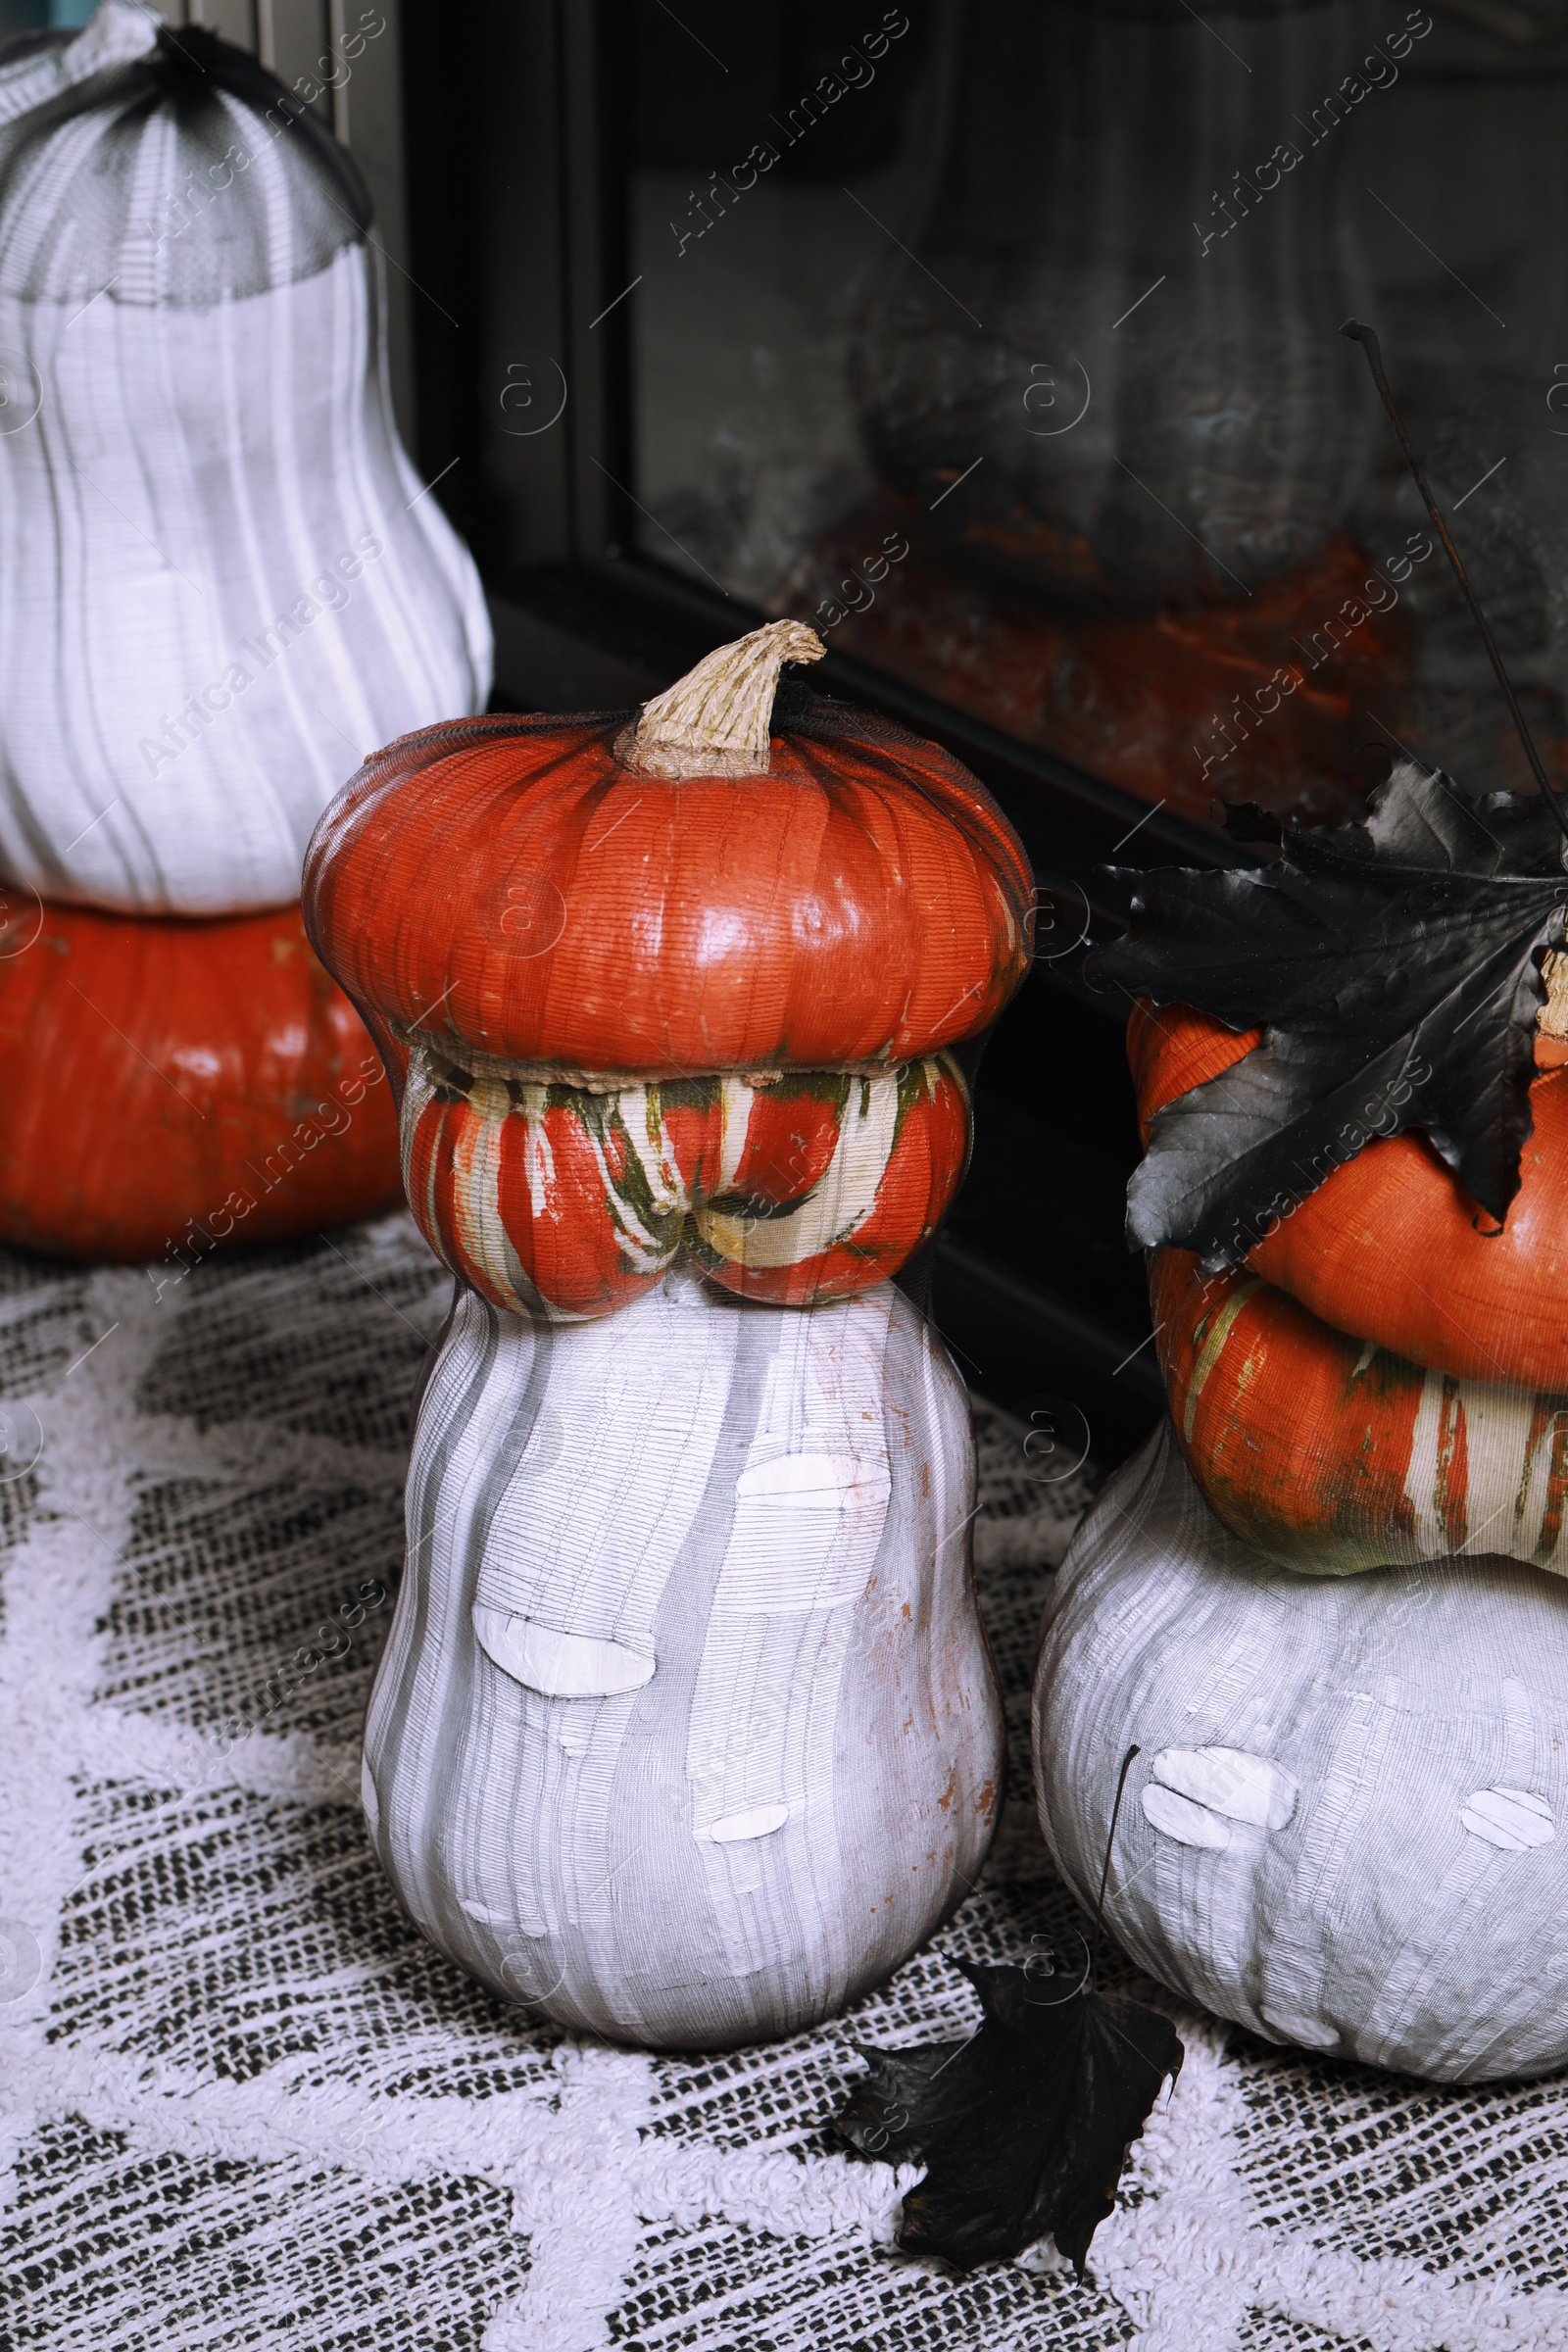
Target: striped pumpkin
column 220, row 583
column 686, row 1730
column 1387, row 1378
column 554, row 1200
column 1329, row 1454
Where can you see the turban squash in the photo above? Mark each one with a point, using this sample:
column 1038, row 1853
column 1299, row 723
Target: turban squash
column 690, row 981
column 595, row 1193
column 1388, row 1378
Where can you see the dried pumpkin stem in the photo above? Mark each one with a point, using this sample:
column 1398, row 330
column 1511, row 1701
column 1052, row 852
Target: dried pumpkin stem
column 715, row 720
column 1552, row 1018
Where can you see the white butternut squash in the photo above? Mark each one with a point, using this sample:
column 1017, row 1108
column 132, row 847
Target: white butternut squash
column 686, row 1730
column 220, row 583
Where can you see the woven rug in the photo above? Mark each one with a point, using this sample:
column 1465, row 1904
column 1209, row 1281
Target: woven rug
column 241, row 2103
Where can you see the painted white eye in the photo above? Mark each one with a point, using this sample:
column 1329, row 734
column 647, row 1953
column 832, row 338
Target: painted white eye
column 1196, row 1793
column 805, row 1533
column 1510, row 1818
column 759, row 1822
column 1179, row 1818
column 1229, row 1781
column 814, row 1481
column 558, row 1665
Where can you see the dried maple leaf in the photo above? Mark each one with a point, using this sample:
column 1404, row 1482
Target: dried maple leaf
column 1393, row 966
column 1025, row 2128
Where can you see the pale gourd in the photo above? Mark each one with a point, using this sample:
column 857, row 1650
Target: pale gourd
column 1344, row 1825
column 221, row 581
column 686, row 1730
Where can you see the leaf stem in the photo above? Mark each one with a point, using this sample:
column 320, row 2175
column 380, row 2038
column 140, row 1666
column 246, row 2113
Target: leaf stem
column 1358, row 334
column 1105, row 1876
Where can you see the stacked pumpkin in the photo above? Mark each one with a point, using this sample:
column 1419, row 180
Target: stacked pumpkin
column 1354, row 1202
column 686, row 1728
column 221, row 581
column 1384, row 1379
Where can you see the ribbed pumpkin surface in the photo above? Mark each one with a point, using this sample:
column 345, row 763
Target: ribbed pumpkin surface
column 1330, row 1456
column 169, row 1084
column 1390, row 1247
column 554, row 1201
column 508, row 884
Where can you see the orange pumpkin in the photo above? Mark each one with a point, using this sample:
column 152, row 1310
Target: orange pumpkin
column 172, row 1085
column 686, row 895
column 1330, row 1454
column 1390, row 1248
column 685, row 983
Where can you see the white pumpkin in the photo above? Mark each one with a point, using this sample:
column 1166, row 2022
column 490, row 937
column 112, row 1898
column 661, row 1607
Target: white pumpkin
column 686, row 1729
column 220, row 584
column 1345, row 1827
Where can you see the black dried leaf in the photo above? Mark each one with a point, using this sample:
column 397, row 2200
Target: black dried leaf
column 1394, row 967
column 1023, row 2129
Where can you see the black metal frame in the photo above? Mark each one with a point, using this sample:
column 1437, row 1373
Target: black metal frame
column 519, row 248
